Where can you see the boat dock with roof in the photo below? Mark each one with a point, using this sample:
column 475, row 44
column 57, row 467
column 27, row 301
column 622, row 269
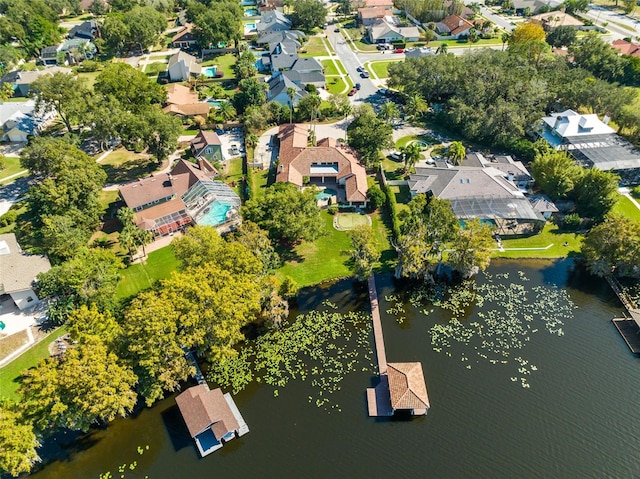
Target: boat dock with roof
column 402, row 386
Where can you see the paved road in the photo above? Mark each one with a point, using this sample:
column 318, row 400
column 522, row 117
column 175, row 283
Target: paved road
column 602, row 15
column 10, row 193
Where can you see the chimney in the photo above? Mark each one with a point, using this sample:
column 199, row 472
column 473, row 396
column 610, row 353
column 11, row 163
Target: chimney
column 557, row 123
column 606, row 119
column 460, row 23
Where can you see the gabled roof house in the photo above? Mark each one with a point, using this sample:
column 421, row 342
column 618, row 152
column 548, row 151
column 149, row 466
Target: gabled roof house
column 22, row 80
column 207, row 145
column 279, row 90
column 18, row 271
column 184, row 38
column 329, row 165
column 453, row 26
column 384, row 32
column 627, row 48
column 182, row 67
column 88, row 30
column 268, row 37
column 369, row 16
column 407, row 388
column 273, row 21
column 19, row 120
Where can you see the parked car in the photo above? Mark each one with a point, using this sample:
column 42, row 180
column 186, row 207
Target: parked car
column 325, row 25
column 336, row 30
column 399, row 50
column 360, row 69
column 396, row 155
column 357, row 86
column 352, row 92
column 364, row 74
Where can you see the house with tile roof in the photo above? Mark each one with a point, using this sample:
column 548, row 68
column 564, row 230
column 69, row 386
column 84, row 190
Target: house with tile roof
column 18, row 272
column 369, row 16
column 182, row 67
column 207, row 145
column 170, row 202
column 329, row 164
column 383, row 31
column 407, row 388
column 453, row 26
column 627, row 48
column 212, row 418
column 183, row 101
column 552, row 20
column 386, row 4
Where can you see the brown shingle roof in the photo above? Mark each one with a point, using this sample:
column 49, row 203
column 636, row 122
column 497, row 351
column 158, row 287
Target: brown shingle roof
column 375, row 12
column 202, row 140
column 456, row 24
column 190, row 109
column 407, row 386
column 203, row 409
column 627, row 48
column 187, row 29
column 181, row 95
column 296, row 161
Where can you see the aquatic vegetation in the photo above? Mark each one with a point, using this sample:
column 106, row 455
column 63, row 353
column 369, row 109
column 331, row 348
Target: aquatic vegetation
column 320, row 347
column 506, row 316
column 397, row 309
column 122, row 468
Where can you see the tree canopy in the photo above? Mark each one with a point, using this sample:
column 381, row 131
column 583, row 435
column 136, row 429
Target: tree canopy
column 287, row 213
column 308, row 14
column 18, row 441
column 369, row 134
column 613, row 247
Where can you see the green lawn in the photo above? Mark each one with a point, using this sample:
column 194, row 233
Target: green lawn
column 122, row 166
column 382, row 235
column 10, row 374
column 380, row 68
column 224, row 62
column 155, row 68
column 625, row 207
column 12, row 166
column 90, row 77
column 140, row 276
column 106, row 198
column 320, row 260
column 336, row 85
column 331, row 69
column 356, row 35
column 259, row 182
column 314, row 47
column 405, row 140
column 550, row 235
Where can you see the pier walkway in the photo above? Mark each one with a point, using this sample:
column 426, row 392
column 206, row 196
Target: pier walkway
column 629, row 328
column 378, row 338
column 192, row 362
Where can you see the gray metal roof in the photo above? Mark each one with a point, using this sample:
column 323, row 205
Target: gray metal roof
column 18, row 270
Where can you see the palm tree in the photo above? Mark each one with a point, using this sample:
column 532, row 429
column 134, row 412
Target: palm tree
column 456, row 152
column 314, row 106
column 410, row 154
column 389, row 111
column 226, row 111
column 505, row 38
column 291, row 93
column 442, row 49
column 416, row 106
column 251, row 140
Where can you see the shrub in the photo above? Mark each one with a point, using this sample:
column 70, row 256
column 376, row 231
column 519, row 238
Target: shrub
column 88, row 66
column 635, row 192
column 332, row 209
column 395, row 222
column 571, row 222
column 8, row 218
column 376, row 197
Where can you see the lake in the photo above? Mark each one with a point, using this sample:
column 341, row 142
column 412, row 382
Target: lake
column 577, row 417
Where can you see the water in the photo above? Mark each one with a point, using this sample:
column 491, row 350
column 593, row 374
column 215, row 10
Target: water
column 248, row 3
column 215, row 103
column 326, row 194
column 579, row 419
column 216, row 215
column 209, row 71
column 251, row 12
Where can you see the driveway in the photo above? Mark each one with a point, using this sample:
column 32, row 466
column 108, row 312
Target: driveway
column 229, row 138
column 9, row 194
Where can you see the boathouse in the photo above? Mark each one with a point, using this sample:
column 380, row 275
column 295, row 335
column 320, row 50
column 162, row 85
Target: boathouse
column 407, row 388
column 212, row 417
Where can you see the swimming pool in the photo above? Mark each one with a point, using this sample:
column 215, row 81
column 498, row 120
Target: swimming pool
column 249, row 27
column 214, row 103
column 209, row 71
column 325, row 194
column 216, row 215
column 251, row 12
column 248, row 3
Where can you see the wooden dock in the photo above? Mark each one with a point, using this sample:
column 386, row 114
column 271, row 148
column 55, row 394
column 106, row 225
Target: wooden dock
column 192, row 362
column 630, row 332
column 379, row 399
column 378, row 338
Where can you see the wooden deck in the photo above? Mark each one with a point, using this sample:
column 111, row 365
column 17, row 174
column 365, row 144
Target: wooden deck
column 379, row 399
column 192, row 362
column 378, row 338
column 630, row 332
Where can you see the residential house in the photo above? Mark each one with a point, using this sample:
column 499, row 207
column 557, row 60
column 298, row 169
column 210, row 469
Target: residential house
column 281, row 56
column 513, row 170
column 385, row 32
column 627, row 48
column 551, row 20
column 18, row 271
column 543, row 205
column 304, row 78
column 386, row 4
column 454, row 27
column 273, row 21
column 369, row 16
column 70, row 52
column 169, row 202
column 182, row 67
column 49, row 55
column 184, row 38
column 20, row 120
column 211, row 417
column 328, row 165
column 592, row 143
column 272, row 37
column 22, row 80
column 207, row 145
column 407, row 388
column 182, row 101
column 279, row 90
column 484, row 192
column 523, row 7
column 89, row 30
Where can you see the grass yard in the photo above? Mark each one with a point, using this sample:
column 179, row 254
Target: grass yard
column 382, row 235
column 330, row 67
column 381, row 68
column 234, row 172
column 155, row 68
column 348, row 221
column 10, row 374
column 90, row 77
column 224, row 62
column 625, row 207
column 259, row 182
column 122, row 166
column 140, row 276
column 355, row 34
column 320, row 260
column 12, row 166
column 550, row 235
column 336, row 85
column 314, row 47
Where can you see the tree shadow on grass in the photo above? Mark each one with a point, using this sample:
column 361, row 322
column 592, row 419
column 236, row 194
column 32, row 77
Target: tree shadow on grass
column 130, row 170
